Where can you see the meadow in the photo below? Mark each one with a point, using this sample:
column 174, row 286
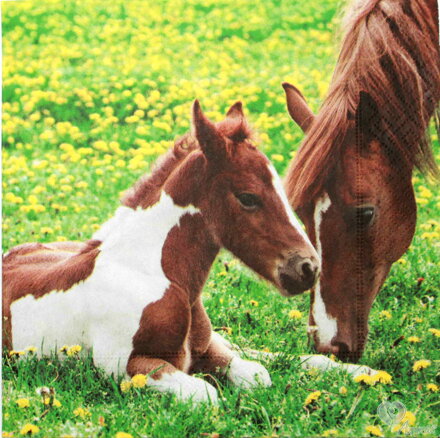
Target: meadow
column 93, row 93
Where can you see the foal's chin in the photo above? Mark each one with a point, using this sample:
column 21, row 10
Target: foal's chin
column 289, row 286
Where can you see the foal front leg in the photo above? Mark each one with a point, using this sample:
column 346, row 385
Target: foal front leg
column 167, row 378
column 219, row 357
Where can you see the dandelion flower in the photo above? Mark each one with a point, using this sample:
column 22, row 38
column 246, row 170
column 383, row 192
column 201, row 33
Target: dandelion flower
column 342, row 390
column 414, row 339
column 295, row 314
column 432, row 387
column 365, row 379
column 74, row 350
column 311, row 398
column 374, row 430
column 125, row 385
column 435, row 332
column 29, row 429
column 382, row 377
column 55, row 402
column 254, row 303
column 123, row 435
column 139, row 380
column 330, row 432
column 23, row 402
column 81, row 412
column 421, row 364
column 385, row 314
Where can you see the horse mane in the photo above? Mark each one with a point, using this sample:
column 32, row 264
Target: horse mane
column 146, row 190
column 390, row 51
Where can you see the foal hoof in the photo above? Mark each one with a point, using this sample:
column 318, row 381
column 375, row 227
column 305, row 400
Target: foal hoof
column 198, row 391
column 247, row 374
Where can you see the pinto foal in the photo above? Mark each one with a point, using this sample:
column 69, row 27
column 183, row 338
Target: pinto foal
column 133, row 292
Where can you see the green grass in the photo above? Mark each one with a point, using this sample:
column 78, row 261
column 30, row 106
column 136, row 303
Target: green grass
column 86, row 62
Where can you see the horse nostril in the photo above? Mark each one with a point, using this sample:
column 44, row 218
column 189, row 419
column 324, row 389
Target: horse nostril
column 309, row 271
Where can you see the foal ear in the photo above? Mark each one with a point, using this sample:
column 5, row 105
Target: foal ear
column 236, row 111
column 367, row 116
column 297, row 107
column 211, row 141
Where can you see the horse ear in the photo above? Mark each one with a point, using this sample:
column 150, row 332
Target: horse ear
column 297, row 107
column 236, row 111
column 367, row 116
column 211, row 142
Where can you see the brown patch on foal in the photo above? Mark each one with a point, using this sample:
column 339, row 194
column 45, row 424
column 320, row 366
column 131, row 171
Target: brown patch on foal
column 37, row 269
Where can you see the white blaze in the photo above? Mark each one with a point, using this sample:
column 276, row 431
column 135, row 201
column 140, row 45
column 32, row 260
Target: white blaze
column 278, row 185
column 326, row 325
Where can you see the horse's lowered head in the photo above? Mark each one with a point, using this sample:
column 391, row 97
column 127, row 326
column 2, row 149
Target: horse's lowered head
column 242, row 202
column 350, row 182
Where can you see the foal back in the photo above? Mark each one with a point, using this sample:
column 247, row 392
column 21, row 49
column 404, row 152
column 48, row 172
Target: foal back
column 37, row 269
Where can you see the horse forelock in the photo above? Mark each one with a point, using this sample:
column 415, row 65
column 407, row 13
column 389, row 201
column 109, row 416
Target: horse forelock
column 390, row 50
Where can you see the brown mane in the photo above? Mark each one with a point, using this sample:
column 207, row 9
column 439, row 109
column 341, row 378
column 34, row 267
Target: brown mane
column 390, row 50
column 147, row 189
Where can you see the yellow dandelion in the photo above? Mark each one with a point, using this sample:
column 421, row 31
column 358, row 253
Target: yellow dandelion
column 374, row 430
column 435, row 332
column 382, row 377
column 29, row 429
column 13, row 353
column 330, row 432
column 7, row 434
column 23, row 402
column 31, row 350
column 277, row 157
column 295, row 314
column 365, row 379
column 432, row 387
column 254, row 303
column 414, row 339
column 139, row 380
column 409, row 418
column 74, row 350
column 125, row 385
column 55, row 402
column 64, row 349
column 343, row 390
column 123, row 435
column 421, row 364
column 385, row 314
column 311, row 398
column 81, row 412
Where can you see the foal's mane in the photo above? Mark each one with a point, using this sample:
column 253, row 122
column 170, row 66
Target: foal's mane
column 146, row 190
column 390, row 51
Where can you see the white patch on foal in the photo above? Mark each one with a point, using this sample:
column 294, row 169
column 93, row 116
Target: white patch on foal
column 103, row 311
column 185, row 387
column 326, row 324
column 278, row 185
column 247, row 374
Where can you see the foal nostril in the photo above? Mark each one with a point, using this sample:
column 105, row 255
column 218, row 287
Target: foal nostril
column 308, row 271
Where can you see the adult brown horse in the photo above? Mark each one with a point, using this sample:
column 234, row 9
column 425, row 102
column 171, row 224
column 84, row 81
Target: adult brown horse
column 350, row 182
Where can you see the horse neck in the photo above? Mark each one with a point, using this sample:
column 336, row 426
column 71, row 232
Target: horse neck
column 168, row 239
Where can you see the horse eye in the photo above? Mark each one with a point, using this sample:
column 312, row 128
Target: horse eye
column 249, row 200
column 364, row 215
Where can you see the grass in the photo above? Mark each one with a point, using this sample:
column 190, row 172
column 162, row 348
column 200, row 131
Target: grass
column 93, row 92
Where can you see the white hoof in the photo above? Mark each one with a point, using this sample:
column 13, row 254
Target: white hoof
column 247, row 374
column 186, row 387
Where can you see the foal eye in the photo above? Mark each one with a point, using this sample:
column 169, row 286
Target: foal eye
column 364, row 215
column 249, row 200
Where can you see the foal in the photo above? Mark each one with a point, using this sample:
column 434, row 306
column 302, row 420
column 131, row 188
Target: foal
column 133, row 292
